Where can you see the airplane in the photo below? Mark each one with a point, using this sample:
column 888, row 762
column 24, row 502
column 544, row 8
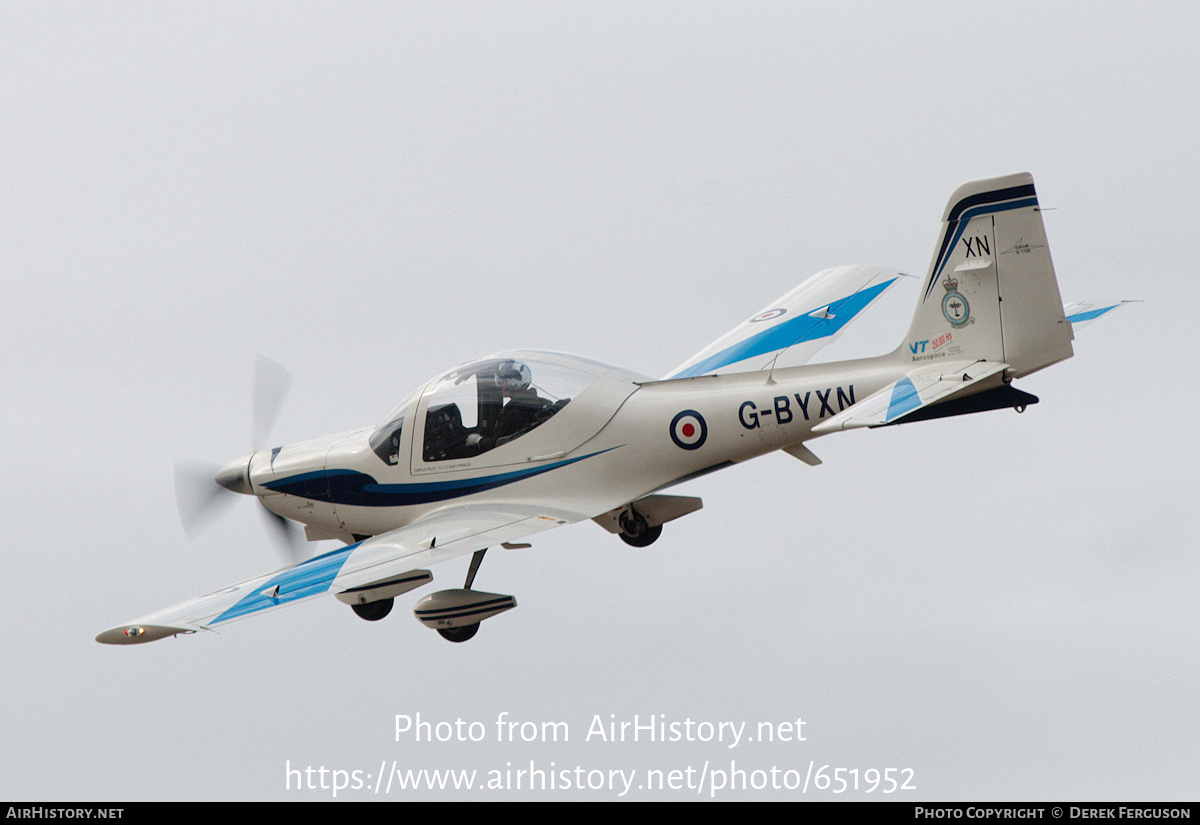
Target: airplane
column 497, row 450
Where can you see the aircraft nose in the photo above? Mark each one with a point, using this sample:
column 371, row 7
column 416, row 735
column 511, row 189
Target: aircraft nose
column 235, row 476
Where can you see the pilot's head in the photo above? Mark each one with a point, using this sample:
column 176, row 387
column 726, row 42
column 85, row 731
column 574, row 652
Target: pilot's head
column 512, row 376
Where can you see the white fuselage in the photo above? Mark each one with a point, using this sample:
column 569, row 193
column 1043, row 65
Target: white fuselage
column 624, row 441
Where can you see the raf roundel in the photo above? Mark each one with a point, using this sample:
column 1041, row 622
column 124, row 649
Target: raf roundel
column 688, row 430
column 768, row 315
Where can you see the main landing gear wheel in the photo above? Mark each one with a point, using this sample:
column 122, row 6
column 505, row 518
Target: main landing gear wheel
column 463, row 608
column 458, row 634
column 374, row 611
column 634, row 530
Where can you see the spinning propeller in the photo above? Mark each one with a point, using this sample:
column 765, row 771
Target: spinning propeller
column 202, row 490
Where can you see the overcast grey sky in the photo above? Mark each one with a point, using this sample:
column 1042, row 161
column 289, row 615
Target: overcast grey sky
column 372, row 192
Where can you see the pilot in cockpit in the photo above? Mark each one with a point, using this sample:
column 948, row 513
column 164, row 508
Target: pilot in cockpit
column 523, row 408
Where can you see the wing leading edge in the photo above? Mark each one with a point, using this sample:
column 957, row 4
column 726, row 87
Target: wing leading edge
column 443, row 535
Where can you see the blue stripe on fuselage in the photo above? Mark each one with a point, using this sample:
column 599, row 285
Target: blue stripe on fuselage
column 353, row 488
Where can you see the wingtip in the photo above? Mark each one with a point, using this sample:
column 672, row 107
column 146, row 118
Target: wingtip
column 136, row 634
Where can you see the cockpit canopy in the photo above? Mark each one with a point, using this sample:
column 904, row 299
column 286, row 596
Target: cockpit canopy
column 483, row 405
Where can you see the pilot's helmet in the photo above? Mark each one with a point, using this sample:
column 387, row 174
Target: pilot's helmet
column 512, row 376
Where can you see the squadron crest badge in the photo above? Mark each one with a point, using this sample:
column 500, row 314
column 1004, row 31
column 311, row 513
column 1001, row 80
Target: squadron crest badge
column 954, row 305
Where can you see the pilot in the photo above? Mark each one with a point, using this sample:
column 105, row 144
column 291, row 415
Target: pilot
column 523, row 407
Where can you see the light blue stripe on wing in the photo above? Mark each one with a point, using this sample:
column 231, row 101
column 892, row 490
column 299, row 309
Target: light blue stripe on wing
column 789, row 333
column 308, row 578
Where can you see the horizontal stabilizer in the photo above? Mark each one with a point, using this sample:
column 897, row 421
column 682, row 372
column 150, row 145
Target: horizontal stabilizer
column 919, row 389
column 1003, row 397
column 1082, row 313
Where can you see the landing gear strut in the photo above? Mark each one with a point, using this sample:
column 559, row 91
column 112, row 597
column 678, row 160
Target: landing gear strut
column 462, row 634
column 476, row 560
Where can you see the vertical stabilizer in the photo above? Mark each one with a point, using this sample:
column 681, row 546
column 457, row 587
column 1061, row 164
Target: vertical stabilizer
column 991, row 292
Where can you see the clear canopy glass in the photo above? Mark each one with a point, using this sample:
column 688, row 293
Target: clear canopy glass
column 485, row 404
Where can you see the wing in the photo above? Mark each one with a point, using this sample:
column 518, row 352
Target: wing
column 1082, row 313
column 382, row 560
column 801, row 323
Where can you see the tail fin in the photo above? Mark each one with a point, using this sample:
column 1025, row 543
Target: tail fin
column 991, row 293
